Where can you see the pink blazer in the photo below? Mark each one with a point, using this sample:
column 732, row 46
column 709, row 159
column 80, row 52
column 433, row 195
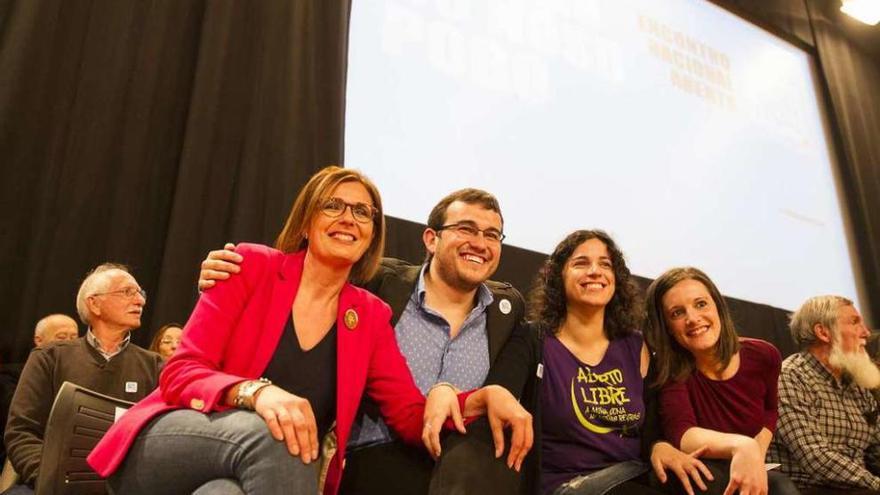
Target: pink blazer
column 231, row 336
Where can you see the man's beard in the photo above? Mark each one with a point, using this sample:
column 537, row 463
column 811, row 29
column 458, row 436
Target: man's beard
column 448, row 272
column 857, row 365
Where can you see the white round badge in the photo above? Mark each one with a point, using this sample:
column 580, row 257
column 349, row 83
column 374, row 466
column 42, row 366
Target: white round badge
column 505, row 306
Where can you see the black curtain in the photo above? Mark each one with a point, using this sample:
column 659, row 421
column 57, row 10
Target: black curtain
column 147, row 132
column 852, row 79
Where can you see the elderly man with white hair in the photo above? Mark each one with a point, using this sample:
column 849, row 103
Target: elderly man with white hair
column 827, row 437
column 110, row 302
column 55, row 327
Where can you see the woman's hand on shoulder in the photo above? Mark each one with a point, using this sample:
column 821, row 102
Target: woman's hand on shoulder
column 290, row 419
column 686, row 467
column 748, row 475
column 442, row 403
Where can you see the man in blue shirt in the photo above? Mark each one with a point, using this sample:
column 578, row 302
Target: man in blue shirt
column 450, row 320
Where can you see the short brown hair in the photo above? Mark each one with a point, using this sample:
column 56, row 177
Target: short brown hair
column 673, row 361
column 308, row 203
column 470, row 196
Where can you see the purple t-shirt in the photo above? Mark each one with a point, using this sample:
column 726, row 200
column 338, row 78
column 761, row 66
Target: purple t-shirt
column 743, row 404
column 591, row 415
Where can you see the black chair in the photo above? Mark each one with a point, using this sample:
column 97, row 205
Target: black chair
column 78, row 420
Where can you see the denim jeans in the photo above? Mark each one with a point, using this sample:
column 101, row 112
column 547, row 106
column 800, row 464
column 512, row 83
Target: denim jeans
column 228, row 453
column 599, row 482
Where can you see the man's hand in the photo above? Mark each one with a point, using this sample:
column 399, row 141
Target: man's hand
column 685, row 466
column 442, row 403
column 219, row 265
column 290, row 419
column 504, row 411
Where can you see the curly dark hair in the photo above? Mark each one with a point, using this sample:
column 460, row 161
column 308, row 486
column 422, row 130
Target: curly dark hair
column 547, row 301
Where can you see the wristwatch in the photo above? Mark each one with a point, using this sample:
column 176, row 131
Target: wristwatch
column 244, row 399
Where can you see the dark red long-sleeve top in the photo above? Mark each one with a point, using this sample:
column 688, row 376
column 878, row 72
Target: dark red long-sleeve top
column 743, row 404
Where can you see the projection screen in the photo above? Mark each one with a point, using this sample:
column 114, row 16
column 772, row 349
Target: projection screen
column 691, row 135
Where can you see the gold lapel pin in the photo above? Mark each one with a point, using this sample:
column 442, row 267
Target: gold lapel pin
column 350, row 318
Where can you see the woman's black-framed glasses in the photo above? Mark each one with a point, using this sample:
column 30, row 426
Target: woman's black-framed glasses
column 469, row 230
column 362, row 212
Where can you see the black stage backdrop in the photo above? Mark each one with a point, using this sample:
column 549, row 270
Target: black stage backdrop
column 148, row 132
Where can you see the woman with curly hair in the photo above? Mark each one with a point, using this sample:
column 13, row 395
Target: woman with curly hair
column 719, row 391
column 579, row 367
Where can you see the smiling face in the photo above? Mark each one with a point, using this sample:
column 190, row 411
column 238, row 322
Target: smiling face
column 459, row 260
column 341, row 240
column 692, row 316
column 588, row 275
column 113, row 308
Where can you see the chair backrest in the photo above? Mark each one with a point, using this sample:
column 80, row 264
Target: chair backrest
column 78, row 420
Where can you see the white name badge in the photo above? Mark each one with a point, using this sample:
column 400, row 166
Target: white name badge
column 131, row 387
column 540, row 371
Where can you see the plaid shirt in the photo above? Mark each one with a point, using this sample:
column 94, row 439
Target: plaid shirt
column 827, row 433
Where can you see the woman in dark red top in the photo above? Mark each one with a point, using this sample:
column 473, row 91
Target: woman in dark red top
column 719, row 390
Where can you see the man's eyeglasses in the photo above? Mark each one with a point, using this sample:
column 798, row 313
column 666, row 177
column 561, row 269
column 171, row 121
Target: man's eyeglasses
column 362, row 212
column 128, row 292
column 470, row 230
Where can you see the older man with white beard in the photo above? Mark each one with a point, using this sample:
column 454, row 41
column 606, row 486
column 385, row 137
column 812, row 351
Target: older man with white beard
column 827, row 437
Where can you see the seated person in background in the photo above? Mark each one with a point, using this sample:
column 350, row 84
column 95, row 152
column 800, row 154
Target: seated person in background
column 293, row 318
column 827, row 435
column 48, row 329
column 719, row 390
column 581, row 368
column 55, row 327
column 110, row 302
column 166, row 340
column 450, row 321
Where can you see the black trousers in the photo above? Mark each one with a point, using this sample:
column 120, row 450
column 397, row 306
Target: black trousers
column 388, row 468
column 467, row 466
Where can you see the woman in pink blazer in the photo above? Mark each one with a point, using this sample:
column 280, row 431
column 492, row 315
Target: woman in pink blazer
column 293, row 318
